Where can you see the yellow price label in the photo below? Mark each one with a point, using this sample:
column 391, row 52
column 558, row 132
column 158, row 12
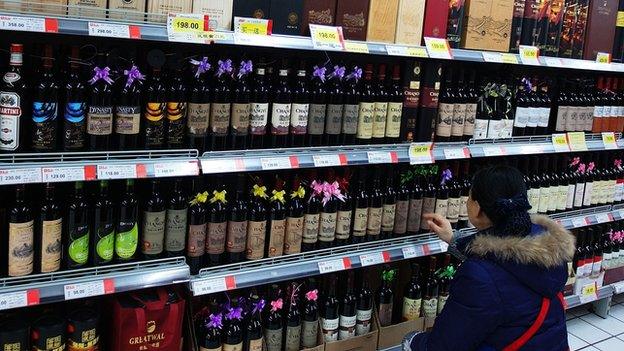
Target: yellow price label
column 509, row 58
column 214, row 36
column 417, row 52
column 187, row 25
column 327, row 37
column 438, row 48
column 608, row 139
column 576, row 140
column 559, row 139
column 324, row 35
column 420, row 153
column 531, row 52
column 620, row 19
column 589, row 289
column 603, row 57
column 352, row 46
column 254, row 28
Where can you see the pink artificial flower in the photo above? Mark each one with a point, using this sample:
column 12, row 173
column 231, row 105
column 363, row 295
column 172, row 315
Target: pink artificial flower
column 575, row 161
column 581, row 168
column 617, row 163
column 277, row 305
column 591, row 167
column 312, row 295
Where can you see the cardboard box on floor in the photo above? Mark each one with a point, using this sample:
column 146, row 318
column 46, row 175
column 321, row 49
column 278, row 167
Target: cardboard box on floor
column 393, row 335
column 367, row 342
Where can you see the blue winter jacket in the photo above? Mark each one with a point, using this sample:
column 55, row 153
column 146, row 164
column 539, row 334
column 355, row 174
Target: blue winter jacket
column 497, row 293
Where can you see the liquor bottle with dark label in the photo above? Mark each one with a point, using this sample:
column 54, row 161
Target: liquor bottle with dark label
column 366, row 108
column 217, row 225
column 128, row 109
column 273, row 324
column 257, row 227
column 444, row 282
column 45, row 105
column 48, row 234
column 335, row 106
column 402, row 206
column 259, row 110
column 221, row 109
column 19, row 243
column 375, row 208
column 196, row 238
column 522, row 108
column 310, row 315
column 127, row 230
column 380, row 111
column 299, row 109
column 482, row 120
column 241, row 109
column 154, row 218
column 199, row 107
column 155, row 108
column 233, row 332
column 428, row 111
column 389, row 205
column 329, row 213
column 236, row 236
column 177, row 103
column 348, row 303
column 345, row 210
column 544, row 103
column 13, row 104
column 75, row 111
column 318, row 107
column 412, row 296
column 470, row 92
column 176, row 221
column 363, row 308
column 442, row 193
column 395, row 107
column 385, row 297
column 460, row 98
column 429, row 198
column 294, row 218
column 277, row 221
column 77, row 230
column 103, row 234
column 312, row 216
column 292, row 337
column 464, row 193
column 100, row 107
column 453, row 184
column 416, row 199
column 254, row 336
column 280, row 110
column 210, row 335
column 430, row 298
column 330, row 318
column 445, row 108
column 361, row 203
column 351, row 106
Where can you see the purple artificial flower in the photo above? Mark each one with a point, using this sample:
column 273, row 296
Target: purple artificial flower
column 245, row 68
column 319, row 72
column 258, row 306
column 101, row 73
column 339, row 71
column 133, row 74
column 355, row 74
column 235, row 313
column 202, row 66
column 527, row 84
column 446, row 176
column 216, row 321
column 224, row 67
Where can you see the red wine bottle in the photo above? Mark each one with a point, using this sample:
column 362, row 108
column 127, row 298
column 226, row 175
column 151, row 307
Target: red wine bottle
column 100, row 113
column 388, row 214
column 292, row 337
column 217, row 225
column 348, row 303
column 76, row 244
column 236, row 237
column 233, row 332
column 310, row 315
column 294, row 218
column 375, row 208
column 220, row 108
column 412, row 296
column 254, row 337
column 385, row 297
column 351, row 106
column 280, row 110
column 428, row 110
column 127, row 229
column 259, row 110
column 380, row 112
column 361, row 204
column 196, row 239
column 153, row 122
column 177, row 104
column 241, row 109
column 45, row 105
column 460, row 99
column 394, row 120
column 366, row 108
column 445, row 108
column 444, row 283
column 21, row 229
column 198, row 110
column 257, row 227
column 154, row 218
column 48, row 233
column 312, row 216
column 210, row 338
column 318, row 107
column 128, row 110
column 273, row 324
column 299, row 110
column 75, row 111
column 402, row 207
column 176, row 221
column 345, row 211
column 363, row 307
column 329, row 215
column 103, row 235
column 277, row 221
column 430, row 298
column 335, row 105
column 470, row 92
column 330, row 318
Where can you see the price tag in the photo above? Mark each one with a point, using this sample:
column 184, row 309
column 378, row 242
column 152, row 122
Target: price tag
column 589, row 293
column 618, row 287
column 578, row 222
column 560, row 143
column 19, row 299
column 354, row 46
column 529, row 55
column 253, row 26
column 176, row 169
column 603, row 57
column 63, row 174
column 456, row 153
column 334, row 265
column 412, row 251
column 553, row 61
column 608, row 139
column 438, row 48
column 20, row 176
column 417, row 52
column 100, row 29
column 374, row 258
column 117, row 171
column 531, row 149
column 329, row 160
column 327, row 37
column 490, row 151
column 500, row 57
column 444, row 246
column 382, row 157
column 279, row 163
column 209, row 286
column 621, row 213
column 604, row 217
column 192, row 28
column 576, row 140
column 29, row 24
column 89, row 289
column 421, row 153
column 212, row 166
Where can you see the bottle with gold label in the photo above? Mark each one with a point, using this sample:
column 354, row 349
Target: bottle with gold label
column 294, row 218
column 198, row 106
column 394, row 119
column 196, row 238
column 257, row 226
column 412, row 296
column 217, row 224
column 48, row 236
column 155, row 102
column 274, row 245
column 20, row 241
column 366, row 108
column 128, row 109
column 176, row 104
column 241, row 108
column 48, row 333
column 82, row 330
column 154, row 218
column 100, row 106
column 335, row 106
column 318, row 107
column 221, row 109
column 176, row 217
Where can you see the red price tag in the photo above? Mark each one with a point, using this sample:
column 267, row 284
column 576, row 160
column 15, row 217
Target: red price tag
column 19, row 299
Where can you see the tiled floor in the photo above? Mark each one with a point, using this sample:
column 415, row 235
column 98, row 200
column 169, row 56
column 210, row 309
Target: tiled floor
column 588, row 332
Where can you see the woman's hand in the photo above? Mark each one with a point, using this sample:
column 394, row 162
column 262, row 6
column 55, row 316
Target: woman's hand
column 440, row 226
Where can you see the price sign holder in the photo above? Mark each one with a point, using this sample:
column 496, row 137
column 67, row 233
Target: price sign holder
column 603, row 57
column 20, row 175
column 438, row 48
column 354, row 46
column 329, row 160
column 118, row 171
column 500, row 57
column 223, row 165
column 270, row 163
column 253, row 26
column 327, row 37
column 490, row 151
column 176, row 169
column 63, row 174
column 604, row 217
column 529, row 55
column 421, row 153
column 589, row 293
column 456, row 153
column 336, row 265
column 102, row 29
column 19, row 299
column 382, row 157
column 374, row 258
column 578, row 222
column 560, row 142
column 412, row 251
column 576, row 140
column 29, row 24
column 608, row 140
column 209, row 286
column 89, row 289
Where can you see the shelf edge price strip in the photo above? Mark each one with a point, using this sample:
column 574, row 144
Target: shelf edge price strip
column 456, row 153
column 603, row 217
column 329, row 160
column 271, row 163
column 99, row 29
column 253, row 26
column 89, row 289
column 336, row 265
column 577, row 142
column 357, row 47
column 29, row 24
column 211, row 166
column 489, row 151
column 128, row 171
column 20, row 176
column 19, row 299
column 327, row 37
column 589, row 293
column 66, row 174
column 187, row 27
column 176, row 169
column 209, row 286
column 560, row 142
column 438, row 48
column 375, row 157
column 578, row 222
column 421, row 153
column 413, row 251
column 374, row 258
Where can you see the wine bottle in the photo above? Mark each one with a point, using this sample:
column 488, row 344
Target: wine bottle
column 533, row 100
column 277, row 221
column 442, row 194
column 259, row 110
column 312, row 216
column 360, row 213
column 380, row 111
column 273, row 324
column 299, row 109
column 428, row 103
column 402, row 207
column 345, row 210
column 429, row 200
column 177, row 104
column 430, row 298
column 294, row 218
column 395, row 107
column 74, row 126
column 199, row 107
column 351, row 106
column 460, row 99
column 598, row 253
column 217, row 225
column 257, row 227
column 254, row 337
column 45, row 105
column 128, row 110
column 318, row 107
column 310, row 318
column 154, row 218
column 412, row 296
column 471, row 107
column 444, row 282
column 233, row 333
column 154, row 112
column 414, row 213
column 19, row 243
column 329, row 213
column 366, row 108
column 523, row 111
column 482, row 120
column 599, row 108
column 103, row 234
column 445, row 109
column 127, row 229
column 543, row 110
column 77, row 230
column 48, row 233
column 579, row 254
column 13, row 104
column 335, row 105
column 281, row 110
column 330, row 319
column 464, row 193
column 375, row 208
column 100, row 112
column 452, row 212
column 210, row 339
column 347, row 309
column 221, row 109
column 176, row 221
column 241, row 109
column 385, row 297
column 196, row 241
column 292, row 338
column 389, row 206
column 236, row 237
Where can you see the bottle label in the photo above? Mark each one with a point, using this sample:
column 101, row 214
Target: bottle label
column 554, row 196
column 280, row 118
column 569, row 204
column 452, row 211
column 347, row 327
column 334, row 119
column 259, row 118
column 373, row 226
column 127, row 239
column 44, row 116
column 198, row 119
column 380, row 114
column 533, row 196
column 385, row 314
column 293, row 338
column 441, row 302
column 587, row 197
column 293, row 236
column 343, row 225
column 256, row 344
column 299, row 118
column 414, row 214
column 236, row 236
column 10, row 113
column 155, row 123
column 51, row 246
column 393, row 121
column 533, row 117
column 430, row 307
column 233, row 347
column 459, row 116
column 359, row 222
column 578, row 194
column 276, row 237
column 316, row 122
column 196, row 243
column 522, row 117
column 429, row 206
column 153, row 232
column 543, row 200
column 544, row 116
column 563, row 196
column 256, row 235
column 445, row 120
column 215, row 243
column 495, row 129
column 219, row 118
column 350, row 119
column 481, row 128
column 327, row 231
column 330, row 329
column 598, row 111
column 176, row 117
column 572, row 119
column 127, row 120
column 400, row 219
column 411, row 309
column 463, row 207
column 78, row 250
column 387, row 218
column 74, row 126
column 562, row 116
column 175, row 234
column 273, row 339
column 311, row 228
column 309, row 331
column 100, row 120
column 240, row 118
column 365, row 120
column 469, row 123
column 105, row 246
column 363, row 321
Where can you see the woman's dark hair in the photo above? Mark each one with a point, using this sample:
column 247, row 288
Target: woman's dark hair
column 502, row 194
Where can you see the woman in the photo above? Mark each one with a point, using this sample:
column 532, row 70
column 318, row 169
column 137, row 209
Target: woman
column 506, row 294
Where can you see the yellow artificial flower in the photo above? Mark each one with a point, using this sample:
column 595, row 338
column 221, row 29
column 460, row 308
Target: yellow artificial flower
column 218, row 196
column 300, row 193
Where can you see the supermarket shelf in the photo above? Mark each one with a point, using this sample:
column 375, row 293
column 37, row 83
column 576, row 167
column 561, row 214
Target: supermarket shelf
column 269, row 270
column 87, row 282
column 602, row 293
column 85, row 166
column 158, row 31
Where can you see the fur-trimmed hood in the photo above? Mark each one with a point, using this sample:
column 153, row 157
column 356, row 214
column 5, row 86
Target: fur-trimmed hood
column 550, row 247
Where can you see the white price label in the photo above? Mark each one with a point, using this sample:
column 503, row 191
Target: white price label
column 603, row 217
column 209, row 286
column 618, row 287
column 456, row 153
column 326, row 37
column 329, row 160
column 29, row 24
column 578, row 222
column 489, row 151
column 413, row 251
column 100, row 29
column 19, row 299
column 212, row 166
column 553, row 61
column 20, row 176
column 89, row 289
column 333, row 265
column 176, row 169
column 63, row 174
column 276, row 163
column 444, row 246
column 621, row 212
column 116, row 171
column 374, row 258
column 381, row 157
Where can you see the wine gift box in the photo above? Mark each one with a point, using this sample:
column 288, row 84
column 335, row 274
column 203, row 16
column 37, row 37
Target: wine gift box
column 318, row 12
column 286, row 15
column 393, row 335
column 87, row 8
column 516, row 25
column 219, row 12
column 436, row 18
column 352, row 16
column 127, row 9
column 366, row 342
column 382, row 20
column 161, row 8
column 613, row 275
column 410, row 22
column 600, row 28
column 488, row 25
column 252, row 8
column 411, row 99
column 618, row 41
